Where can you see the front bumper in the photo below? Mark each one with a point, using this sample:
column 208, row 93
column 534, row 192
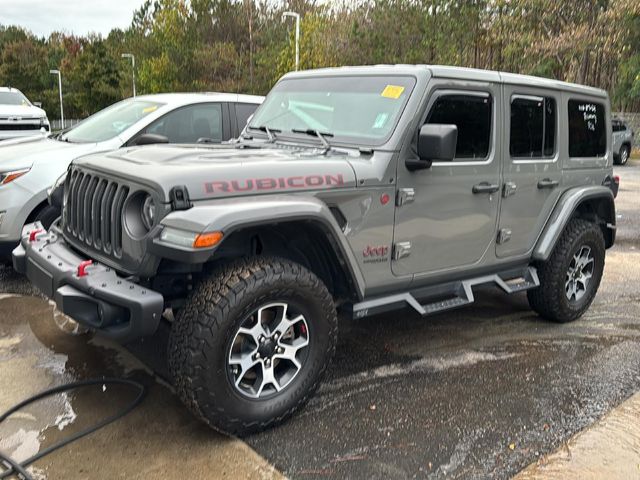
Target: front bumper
column 9, row 134
column 100, row 300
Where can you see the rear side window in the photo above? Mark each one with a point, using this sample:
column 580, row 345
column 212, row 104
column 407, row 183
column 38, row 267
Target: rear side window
column 533, row 127
column 618, row 126
column 587, row 129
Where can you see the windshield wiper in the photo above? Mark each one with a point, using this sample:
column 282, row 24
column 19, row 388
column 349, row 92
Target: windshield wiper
column 316, row 133
column 269, row 131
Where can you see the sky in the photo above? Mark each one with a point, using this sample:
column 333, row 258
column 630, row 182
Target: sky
column 70, row 16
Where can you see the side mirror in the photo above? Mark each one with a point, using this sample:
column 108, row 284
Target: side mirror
column 149, row 139
column 37, row 104
column 435, row 142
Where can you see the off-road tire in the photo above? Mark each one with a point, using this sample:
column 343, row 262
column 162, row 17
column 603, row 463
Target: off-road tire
column 549, row 300
column 204, row 329
column 47, row 216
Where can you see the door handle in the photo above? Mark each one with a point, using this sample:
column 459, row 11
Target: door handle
column 485, row 187
column 548, row 183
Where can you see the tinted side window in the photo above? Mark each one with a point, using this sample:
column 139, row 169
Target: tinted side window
column 618, row 126
column 472, row 115
column 533, row 127
column 189, row 124
column 243, row 112
column 587, row 129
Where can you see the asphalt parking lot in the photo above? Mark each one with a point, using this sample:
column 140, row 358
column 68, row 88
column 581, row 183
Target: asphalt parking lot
column 481, row 392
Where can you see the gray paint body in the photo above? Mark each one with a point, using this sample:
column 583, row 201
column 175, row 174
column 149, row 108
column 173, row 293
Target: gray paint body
column 452, row 231
column 620, row 138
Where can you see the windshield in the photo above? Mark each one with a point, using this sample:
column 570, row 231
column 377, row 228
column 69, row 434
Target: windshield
column 111, row 121
column 360, row 110
column 14, row 98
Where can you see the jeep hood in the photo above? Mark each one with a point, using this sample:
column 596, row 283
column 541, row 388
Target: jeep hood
column 225, row 170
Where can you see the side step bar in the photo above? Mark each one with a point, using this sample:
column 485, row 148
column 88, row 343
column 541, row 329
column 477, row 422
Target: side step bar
column 448, row 296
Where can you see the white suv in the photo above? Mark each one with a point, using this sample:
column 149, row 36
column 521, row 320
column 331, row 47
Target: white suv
column 18, row 116
column 29, row 166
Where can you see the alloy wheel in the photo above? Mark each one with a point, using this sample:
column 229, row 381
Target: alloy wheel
column 268, row 350
column 579, row 274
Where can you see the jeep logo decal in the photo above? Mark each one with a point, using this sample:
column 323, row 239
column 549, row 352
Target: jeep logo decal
column 281, row 183
column 375, row 254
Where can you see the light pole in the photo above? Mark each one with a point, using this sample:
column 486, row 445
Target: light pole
column 297, row 17
column 57, row 72
column 133, row 69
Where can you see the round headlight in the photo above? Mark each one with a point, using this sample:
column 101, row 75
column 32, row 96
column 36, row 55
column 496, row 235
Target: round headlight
column 148, row 212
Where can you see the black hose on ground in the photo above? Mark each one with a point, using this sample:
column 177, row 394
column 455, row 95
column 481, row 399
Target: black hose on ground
column 19, row 469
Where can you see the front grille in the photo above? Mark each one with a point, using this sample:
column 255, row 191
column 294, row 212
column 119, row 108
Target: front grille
column 20, row 126
column 93, row 211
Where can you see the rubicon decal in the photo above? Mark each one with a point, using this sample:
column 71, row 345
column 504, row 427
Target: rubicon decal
column 280, row 183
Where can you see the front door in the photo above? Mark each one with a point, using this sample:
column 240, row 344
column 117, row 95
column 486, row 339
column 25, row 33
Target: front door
column 447, row 214
column 532, row 173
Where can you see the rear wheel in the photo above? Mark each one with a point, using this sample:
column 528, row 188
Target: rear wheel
column 570, row 278
column 623, row 156
column 252, row 344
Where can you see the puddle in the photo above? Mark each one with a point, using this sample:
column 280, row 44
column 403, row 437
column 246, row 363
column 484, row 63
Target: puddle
column 34, row 349
column 35, row 355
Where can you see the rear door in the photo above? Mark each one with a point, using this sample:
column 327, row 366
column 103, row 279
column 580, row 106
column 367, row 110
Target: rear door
column 444, row 221
column 532, row 172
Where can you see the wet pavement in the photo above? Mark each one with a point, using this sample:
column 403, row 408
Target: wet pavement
column 609, row 449
column 159, row 439
column 481, row 392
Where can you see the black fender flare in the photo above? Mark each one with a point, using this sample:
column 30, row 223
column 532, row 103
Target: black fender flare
column 566, row 209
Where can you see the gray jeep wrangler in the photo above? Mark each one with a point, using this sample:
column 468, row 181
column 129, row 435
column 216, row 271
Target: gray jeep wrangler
column 361, row 190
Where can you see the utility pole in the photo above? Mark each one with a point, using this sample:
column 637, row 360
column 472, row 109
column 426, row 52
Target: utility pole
column 133, row 69
column 57, row 72
column 297, row 17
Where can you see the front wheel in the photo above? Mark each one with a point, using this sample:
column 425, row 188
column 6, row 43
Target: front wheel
column 47, row 216
column 570, row 278
column 252, row 343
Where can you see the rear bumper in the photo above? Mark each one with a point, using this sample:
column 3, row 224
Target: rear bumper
column 100, row 300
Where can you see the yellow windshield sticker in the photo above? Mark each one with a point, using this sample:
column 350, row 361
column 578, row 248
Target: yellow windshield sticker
column 392, row 91
column 150, row 109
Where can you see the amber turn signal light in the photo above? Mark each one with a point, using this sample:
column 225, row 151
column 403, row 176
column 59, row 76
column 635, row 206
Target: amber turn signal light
column 204, row 240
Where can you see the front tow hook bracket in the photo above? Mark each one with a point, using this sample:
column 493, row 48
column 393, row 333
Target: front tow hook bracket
column 82, row 268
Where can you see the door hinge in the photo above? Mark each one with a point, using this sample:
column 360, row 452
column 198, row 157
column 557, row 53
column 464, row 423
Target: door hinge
column 405, row 195
column 401, row 250
column 509, row 189
column 504, row 235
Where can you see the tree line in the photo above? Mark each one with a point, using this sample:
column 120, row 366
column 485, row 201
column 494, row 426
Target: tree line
column 245, row 45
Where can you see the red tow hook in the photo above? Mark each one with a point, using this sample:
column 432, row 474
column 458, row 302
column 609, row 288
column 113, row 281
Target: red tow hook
column 82, row 268
column 33, row 233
